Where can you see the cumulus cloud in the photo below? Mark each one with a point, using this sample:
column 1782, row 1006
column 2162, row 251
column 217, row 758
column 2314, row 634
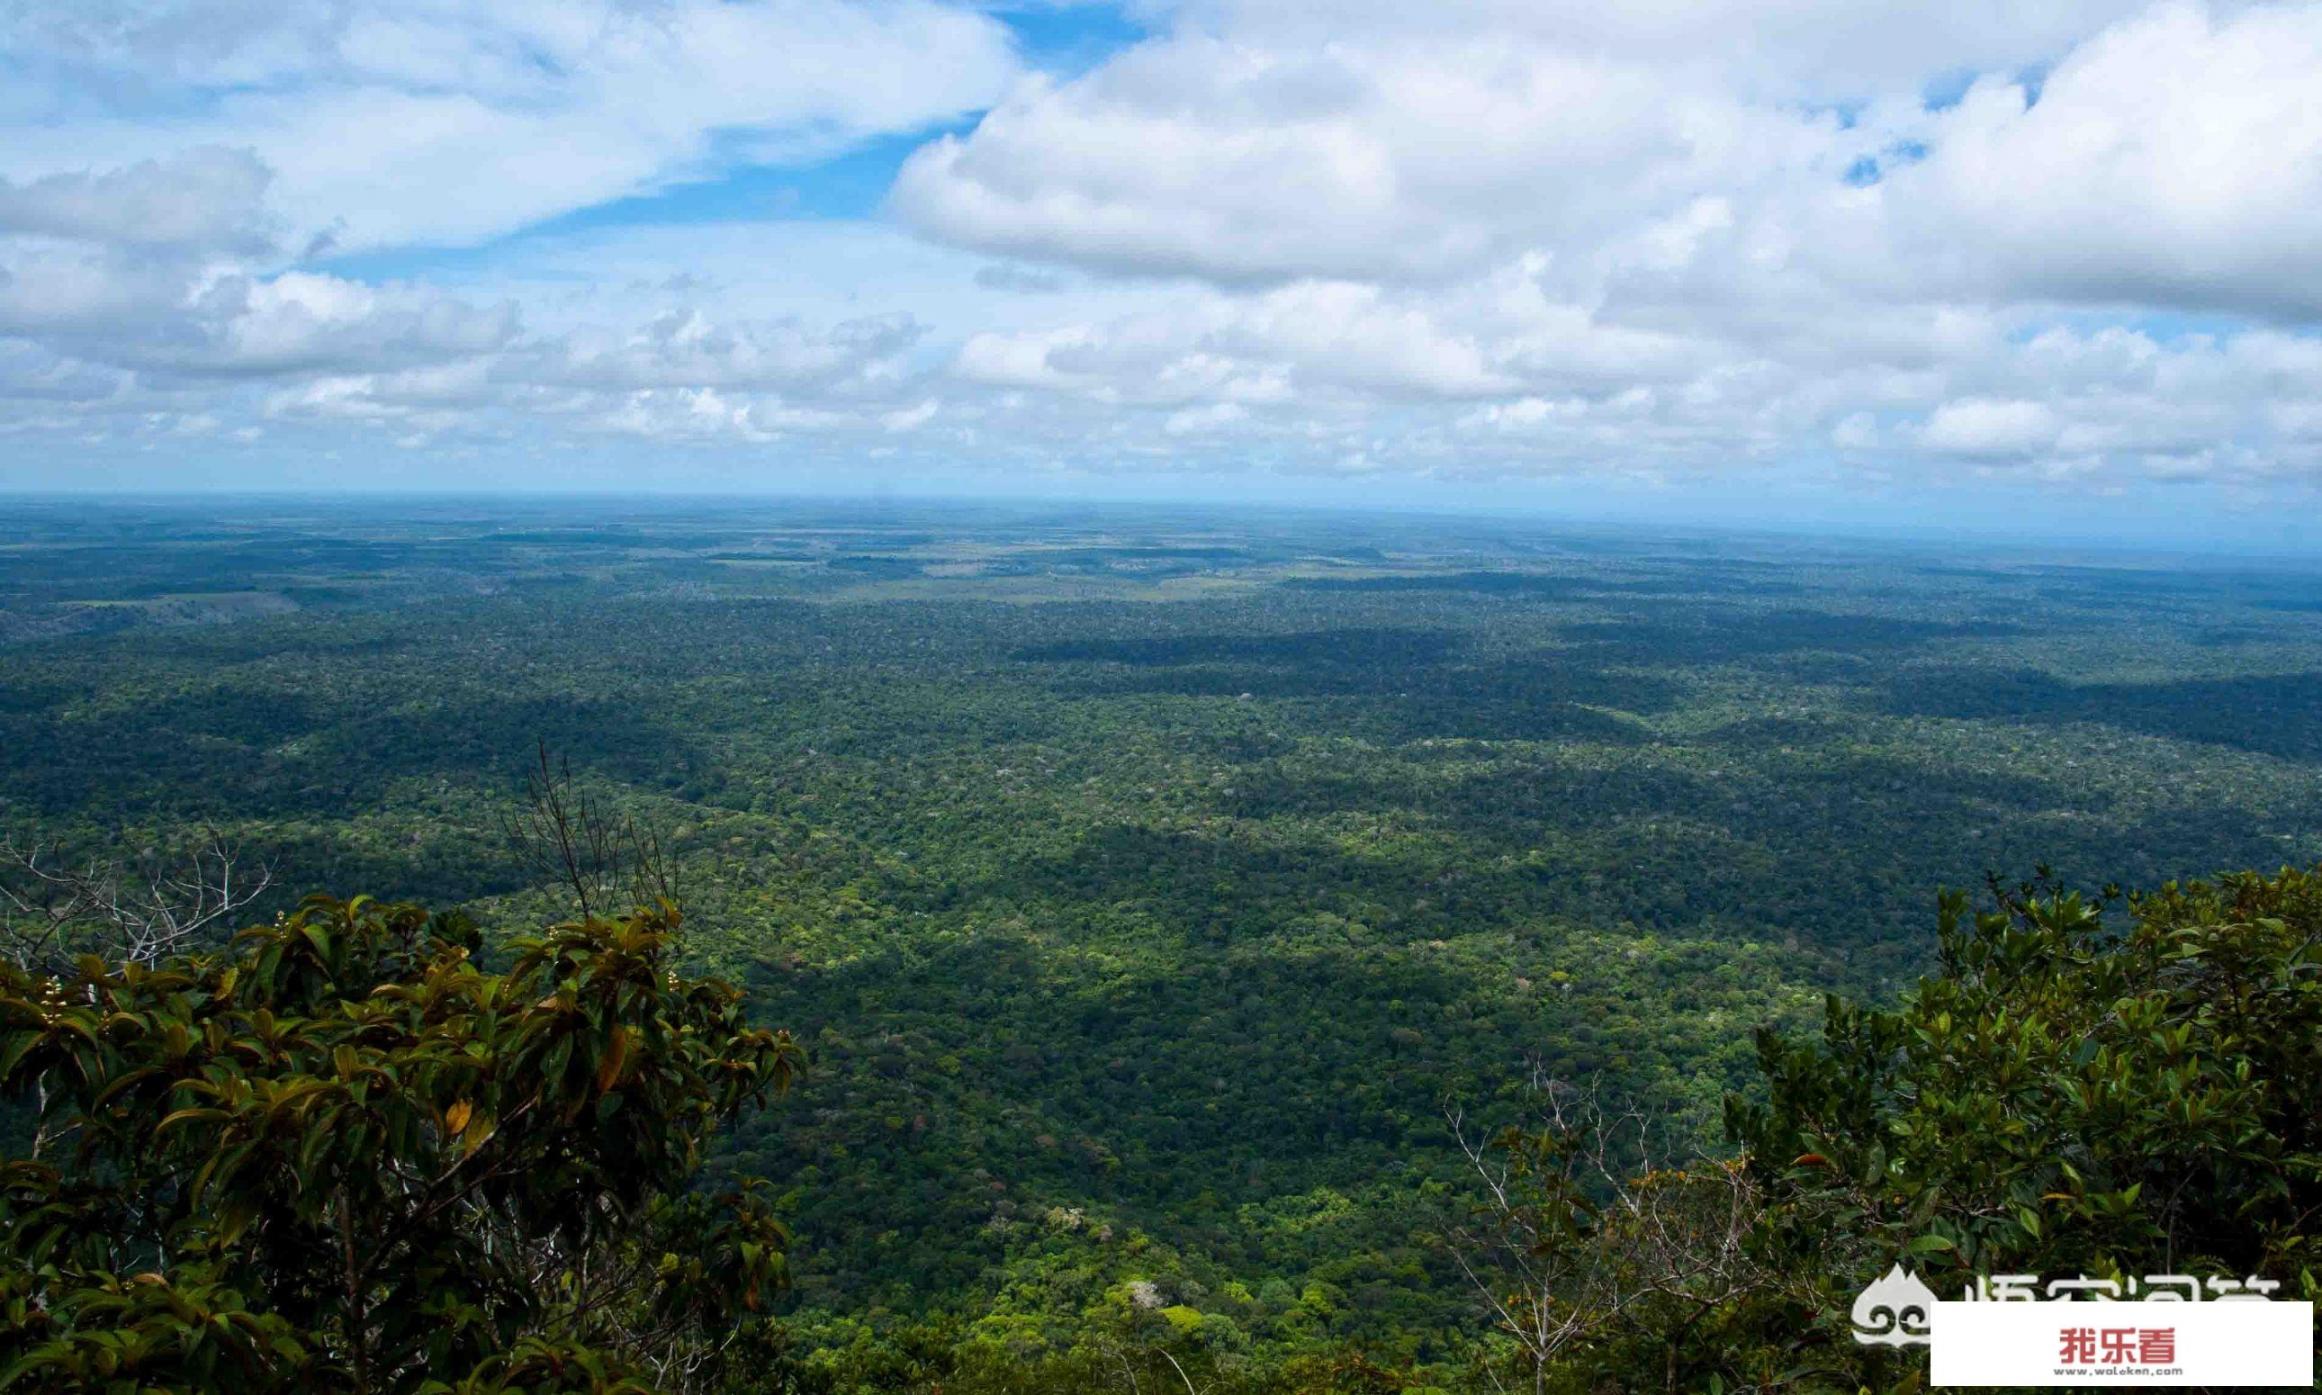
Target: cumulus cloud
column 2060, row 240
column 1234, row 161
column 208, row 198
column 175, row 318
column 687, row 348
column 449, row 122
column 1989, row 426
column 1701, row 233
column 2173, row 157
column 1820, row 49
column 2171, row 160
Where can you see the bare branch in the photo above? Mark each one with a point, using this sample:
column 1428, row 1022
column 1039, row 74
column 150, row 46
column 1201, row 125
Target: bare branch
column 158, row 900
column 565, row 835
column 1584, row 1231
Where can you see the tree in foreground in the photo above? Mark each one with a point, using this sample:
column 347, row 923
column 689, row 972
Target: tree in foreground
column 342, row 1156
column 2064, row 1096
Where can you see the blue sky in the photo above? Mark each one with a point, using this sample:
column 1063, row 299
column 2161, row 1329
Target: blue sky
column 850, row 184
column 2049, row 266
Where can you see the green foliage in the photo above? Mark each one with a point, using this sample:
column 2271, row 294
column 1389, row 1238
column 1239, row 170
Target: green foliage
column 1147, row 880
column 2066, row 1097
column 2061, row 1098
column 344, row 1155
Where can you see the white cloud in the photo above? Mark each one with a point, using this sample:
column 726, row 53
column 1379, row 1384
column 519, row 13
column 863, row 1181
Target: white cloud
column 1191, row 421
column 207, row 198
column 1983, row 426
column 1703, row 233
column 1411, row 159
column 690, row 349
column 1474, row 240
column 1826, row 49
column 302, row 322
column 2172, row 160
column 448, row 122
column 906, row 419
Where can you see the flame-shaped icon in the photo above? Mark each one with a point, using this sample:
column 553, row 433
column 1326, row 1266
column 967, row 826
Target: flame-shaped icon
column 1895, row 1310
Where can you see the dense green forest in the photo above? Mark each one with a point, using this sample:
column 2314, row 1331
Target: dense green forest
column 1158, row 898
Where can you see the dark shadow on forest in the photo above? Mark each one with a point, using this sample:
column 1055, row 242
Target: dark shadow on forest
column 1328, row 649
column 1527, row 584
column 1414, row 689
column 227, row 752
column 1721, row 634
column 2276, row 715
column 1546, row 587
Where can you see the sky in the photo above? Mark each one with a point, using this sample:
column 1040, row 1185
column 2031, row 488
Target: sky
column 2008, row 265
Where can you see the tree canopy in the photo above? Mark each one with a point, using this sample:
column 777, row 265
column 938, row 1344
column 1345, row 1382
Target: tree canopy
column 1145, row 884
column 342, row 1154
column 2070, row 1094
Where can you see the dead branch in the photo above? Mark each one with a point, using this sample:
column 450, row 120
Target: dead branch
column 136, row 910
column 1584, row 1229
column 568, row 836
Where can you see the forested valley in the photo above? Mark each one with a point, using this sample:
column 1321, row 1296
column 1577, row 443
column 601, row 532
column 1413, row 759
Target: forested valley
column 1126, row 949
